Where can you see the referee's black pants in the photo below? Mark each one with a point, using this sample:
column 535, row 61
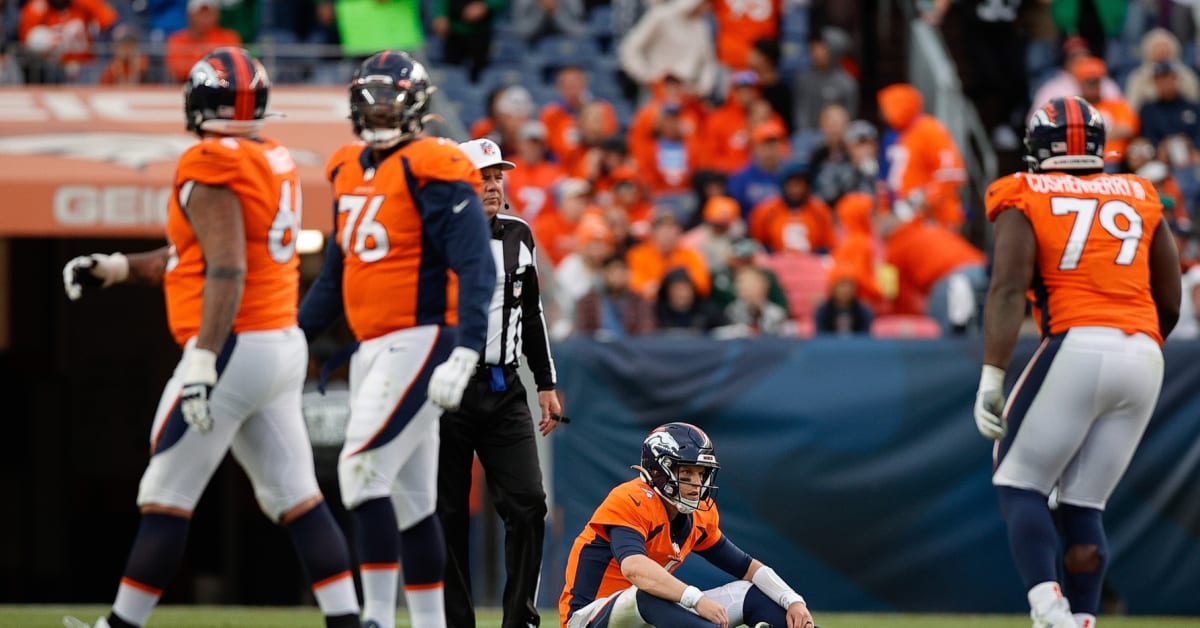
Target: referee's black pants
column 499, row 428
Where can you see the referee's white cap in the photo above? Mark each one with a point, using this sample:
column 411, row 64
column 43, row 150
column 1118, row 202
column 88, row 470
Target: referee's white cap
column 484, row 153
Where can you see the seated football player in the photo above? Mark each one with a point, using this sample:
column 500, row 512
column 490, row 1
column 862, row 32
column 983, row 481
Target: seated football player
column 619, row 571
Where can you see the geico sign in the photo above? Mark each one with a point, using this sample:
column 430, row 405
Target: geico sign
column 110, row 206
column 159, row 105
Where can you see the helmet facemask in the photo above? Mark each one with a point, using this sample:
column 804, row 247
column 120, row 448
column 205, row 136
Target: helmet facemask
column 676, row 445
column 668, row 485
column 386, row 113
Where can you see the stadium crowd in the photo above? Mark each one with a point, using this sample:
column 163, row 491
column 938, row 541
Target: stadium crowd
column 710, row 165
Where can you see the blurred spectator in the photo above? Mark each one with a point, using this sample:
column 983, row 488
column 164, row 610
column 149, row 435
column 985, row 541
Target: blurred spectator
column 679, row 306
column 662, row 252
column 726, row 131
column 618, row 222
column 535, row 19
column 612, row 158
column 666, row 165
column 1120, row 120
column 763, row 59
column 580, row 272
column 1159, row 45
column 674, row 37
column 560, row 115
column 925, row 168
column 367, row 26
column 1096, row 21
column 993, row 65
column 629, row 198
column 1141, row 158
column 531, row 183
column 759, row 180
column 613, row 310
column 745, row 253
column 796, row 220
column 855, row 251
column 1188, row 327
column 597, row 121
column 713, row 238
column 1171, row 113
column 315, row 22
column 510, row 108
column 56, row 36
column 859, row 172
column 466, row 28
column 163, row 17
column 244, row 17
column 825, row 81
column 740, row 24
column 670, row 90
column 554, row 229
column 939, row 268
column 129, row 64
column 752, row 310
column 843, row 314
column 1063, row 83
column 833, row 121
column 201, row 36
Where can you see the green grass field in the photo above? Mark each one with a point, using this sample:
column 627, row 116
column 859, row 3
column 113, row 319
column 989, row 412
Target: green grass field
column 259, row 617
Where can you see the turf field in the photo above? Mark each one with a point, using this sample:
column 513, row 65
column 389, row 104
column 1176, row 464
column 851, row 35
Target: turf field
column 259, row 617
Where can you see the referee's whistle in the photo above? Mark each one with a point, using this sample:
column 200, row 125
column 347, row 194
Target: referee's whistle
column 560, row 418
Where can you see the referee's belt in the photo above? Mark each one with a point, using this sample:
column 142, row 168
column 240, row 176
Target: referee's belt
column 498, row 375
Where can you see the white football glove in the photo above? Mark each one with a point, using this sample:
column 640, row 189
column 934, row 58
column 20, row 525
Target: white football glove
column 93, row 271
column 199, row 377
column 450, row 378
column 989, row 403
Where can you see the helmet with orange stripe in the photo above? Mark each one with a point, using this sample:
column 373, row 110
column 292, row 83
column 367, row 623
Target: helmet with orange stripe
column 226, row 93
column 1065, row 134
column 389, row 98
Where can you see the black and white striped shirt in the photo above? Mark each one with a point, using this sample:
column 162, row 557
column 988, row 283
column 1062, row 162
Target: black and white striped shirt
column 516, row 324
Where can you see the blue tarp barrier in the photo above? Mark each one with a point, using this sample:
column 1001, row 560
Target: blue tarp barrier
column 853, row 467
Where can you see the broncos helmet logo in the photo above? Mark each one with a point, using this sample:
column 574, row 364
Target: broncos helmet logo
column 663, row 444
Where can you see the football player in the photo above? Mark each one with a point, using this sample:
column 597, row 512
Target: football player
column 231, row 278
column 410, row 264
column 1095, row 256
column 619, row 570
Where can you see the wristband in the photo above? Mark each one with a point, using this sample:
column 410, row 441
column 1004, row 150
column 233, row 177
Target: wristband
column 691, row 596
column 991, row 378
column 201, row 367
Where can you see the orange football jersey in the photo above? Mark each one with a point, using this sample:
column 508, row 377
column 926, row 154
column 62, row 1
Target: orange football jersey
column 592, row 570
column 388, row 280
column 263, row 176
column 1093, row 247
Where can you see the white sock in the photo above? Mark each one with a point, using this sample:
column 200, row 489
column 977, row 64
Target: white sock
column 1084, row 620
column 135, row 601
column 335, row 595
column 426, row 605
column 379, row 593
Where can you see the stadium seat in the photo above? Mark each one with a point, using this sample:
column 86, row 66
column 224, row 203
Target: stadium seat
column 803, row 277
column 905, row 326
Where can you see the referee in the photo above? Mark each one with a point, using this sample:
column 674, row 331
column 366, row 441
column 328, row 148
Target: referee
column 494, row 419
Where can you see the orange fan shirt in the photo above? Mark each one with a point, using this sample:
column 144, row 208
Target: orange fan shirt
column 562, row 133
column 648, row 266
column 782, row 228
column 530, row 187
column 592, row 570
column 1093, row 247
column 72, row 24
column 740, row 23
column 263, row 176
column 387, row 281
column 184, row 50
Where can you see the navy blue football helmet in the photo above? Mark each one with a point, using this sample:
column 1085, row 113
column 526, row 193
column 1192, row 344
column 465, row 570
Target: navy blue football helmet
column 389, row 98
column 226, row 92
column 674, row 444
column 1065, row 134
